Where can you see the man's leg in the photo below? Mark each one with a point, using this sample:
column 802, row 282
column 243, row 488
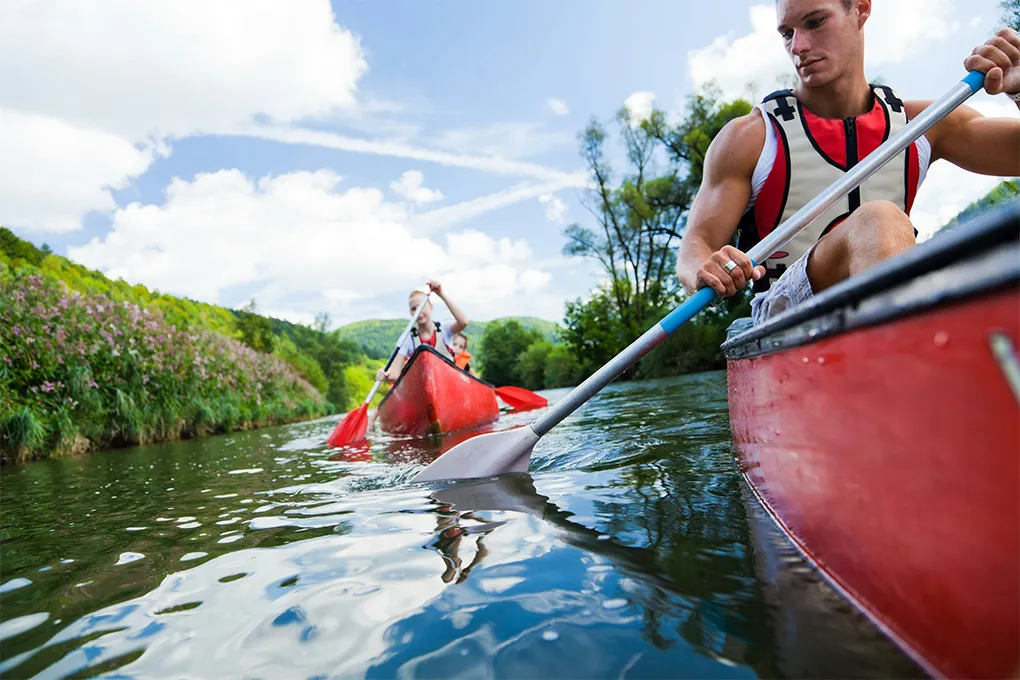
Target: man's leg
column 876, row 231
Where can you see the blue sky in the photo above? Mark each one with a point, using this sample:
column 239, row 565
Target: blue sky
column 329, row 158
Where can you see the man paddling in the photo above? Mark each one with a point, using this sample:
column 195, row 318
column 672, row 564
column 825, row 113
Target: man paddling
column 765, row 166
column 426, row 331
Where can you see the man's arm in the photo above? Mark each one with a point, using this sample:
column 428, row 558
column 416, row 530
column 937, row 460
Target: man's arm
column 460, row 319
column 965, row 138
column 987, row 146
column 721, row 201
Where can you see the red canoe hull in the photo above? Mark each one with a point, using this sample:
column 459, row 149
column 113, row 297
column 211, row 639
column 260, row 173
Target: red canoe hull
column 889, row 454
column 433, row 396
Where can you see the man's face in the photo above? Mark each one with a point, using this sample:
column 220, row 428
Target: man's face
column 426, row 313
column 821, row 37
column 459, row 344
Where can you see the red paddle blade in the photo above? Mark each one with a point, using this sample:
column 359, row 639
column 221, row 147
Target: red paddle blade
column 520, row 399
column 351, row 429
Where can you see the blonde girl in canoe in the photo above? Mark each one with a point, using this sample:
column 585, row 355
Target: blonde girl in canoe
column 438, row 335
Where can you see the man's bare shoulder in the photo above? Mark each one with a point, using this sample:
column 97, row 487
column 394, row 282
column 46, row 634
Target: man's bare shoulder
column 735, row 150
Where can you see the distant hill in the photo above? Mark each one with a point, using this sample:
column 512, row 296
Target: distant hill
column 378, row 336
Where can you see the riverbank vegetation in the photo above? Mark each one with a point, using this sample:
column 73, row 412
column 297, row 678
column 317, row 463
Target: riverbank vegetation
column 87, row 362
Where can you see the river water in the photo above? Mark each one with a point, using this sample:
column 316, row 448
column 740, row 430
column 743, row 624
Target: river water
column 632, row 549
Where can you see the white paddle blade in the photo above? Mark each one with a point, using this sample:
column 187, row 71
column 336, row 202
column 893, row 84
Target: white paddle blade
column 486, row 455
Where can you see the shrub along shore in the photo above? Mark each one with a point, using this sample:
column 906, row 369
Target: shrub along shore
column 80, row 372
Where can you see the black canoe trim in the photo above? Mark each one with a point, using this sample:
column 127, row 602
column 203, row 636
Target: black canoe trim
column 978, row 257
column 421, row 349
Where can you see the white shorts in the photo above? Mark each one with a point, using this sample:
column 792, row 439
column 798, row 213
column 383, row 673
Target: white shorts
column 789, row 290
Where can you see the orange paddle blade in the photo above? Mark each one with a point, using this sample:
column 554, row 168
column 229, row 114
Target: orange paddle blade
column 520, row 399
column 351, row 429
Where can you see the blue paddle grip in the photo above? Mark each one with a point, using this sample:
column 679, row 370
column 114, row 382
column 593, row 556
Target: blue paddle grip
column 685, row 312
column 976, row 80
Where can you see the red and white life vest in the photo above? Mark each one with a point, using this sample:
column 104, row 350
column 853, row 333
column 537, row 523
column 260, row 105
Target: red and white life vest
column 434, row 341
column 811, row 153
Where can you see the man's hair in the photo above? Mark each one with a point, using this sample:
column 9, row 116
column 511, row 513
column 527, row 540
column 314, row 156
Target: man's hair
column 460, row 335
column 848, row 5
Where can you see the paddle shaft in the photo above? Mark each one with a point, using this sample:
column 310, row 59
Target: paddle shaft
column 393, row 354
column 907, row 135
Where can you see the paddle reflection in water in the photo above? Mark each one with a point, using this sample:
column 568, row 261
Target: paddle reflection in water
column 819, row 634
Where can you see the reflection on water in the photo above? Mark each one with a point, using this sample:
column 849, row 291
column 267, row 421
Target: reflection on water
column 630, row 551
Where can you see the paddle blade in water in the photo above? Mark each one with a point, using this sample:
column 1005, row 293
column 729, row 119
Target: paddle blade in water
column 351, row 429
column 486, row 455
column 520, row 399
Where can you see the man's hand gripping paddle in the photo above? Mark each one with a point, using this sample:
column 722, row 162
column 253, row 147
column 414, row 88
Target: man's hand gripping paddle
column 510, row 450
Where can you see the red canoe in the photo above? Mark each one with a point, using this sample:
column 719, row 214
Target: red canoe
column 433, row 396
column 879, row 425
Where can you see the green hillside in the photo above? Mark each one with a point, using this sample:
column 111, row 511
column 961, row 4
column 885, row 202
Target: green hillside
column 88, row 363
column 378, row 336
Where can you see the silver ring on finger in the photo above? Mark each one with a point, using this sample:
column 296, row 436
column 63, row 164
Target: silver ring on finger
column 730, row 266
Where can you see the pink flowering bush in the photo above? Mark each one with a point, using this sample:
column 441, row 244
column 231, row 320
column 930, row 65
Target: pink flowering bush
column 81, row 371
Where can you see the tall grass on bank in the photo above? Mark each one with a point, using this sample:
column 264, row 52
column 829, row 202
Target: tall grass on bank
column 80, row 371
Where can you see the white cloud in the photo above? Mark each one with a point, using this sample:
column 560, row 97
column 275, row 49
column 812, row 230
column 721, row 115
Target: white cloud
column 504, row 140
column 409, row 186
column 756, row 63
column 735, row 63
column 555, row 209
column 397, row 149
column 947, row 189
column 639, row 105
column 123, row 79
column 474, row 246
column 88, row 90
column 53, row 172
column 302, row 243
column 140, row 69
column 533, row 280
column 454, row 214
column 558, row 106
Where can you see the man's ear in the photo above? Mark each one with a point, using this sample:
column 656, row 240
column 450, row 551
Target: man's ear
column 863, row 13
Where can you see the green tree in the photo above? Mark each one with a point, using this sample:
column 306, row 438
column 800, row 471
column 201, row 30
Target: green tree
column 256, row 331
column 561, row 368
column 639, row 218
column 636, row 221
column 14, row 248
column 687, row 142
column 1011, row 13
column 531, row 364
column 593, row 329
column 502, row 345
column 322, row 322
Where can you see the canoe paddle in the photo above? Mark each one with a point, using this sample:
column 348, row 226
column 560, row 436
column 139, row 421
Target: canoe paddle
column 520, row 399
column 510, row 450
column 354, row 426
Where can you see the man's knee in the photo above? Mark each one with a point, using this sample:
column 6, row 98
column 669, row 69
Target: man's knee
column 877, row 230
column 881, row 220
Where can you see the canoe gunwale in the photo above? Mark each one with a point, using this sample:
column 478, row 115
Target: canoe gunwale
column 974, row 259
